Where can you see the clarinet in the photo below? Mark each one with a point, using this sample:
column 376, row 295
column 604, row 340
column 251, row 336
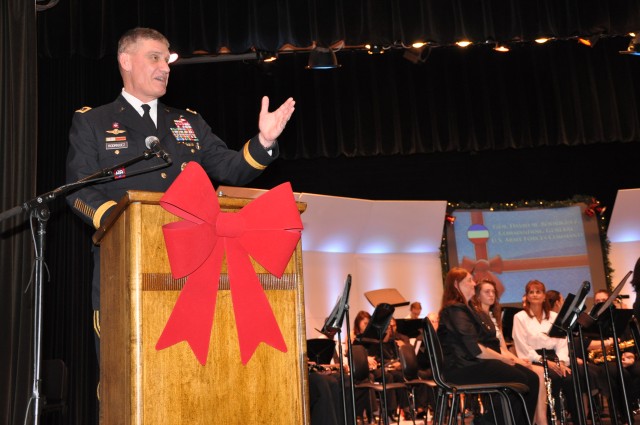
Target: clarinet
column 547, row 385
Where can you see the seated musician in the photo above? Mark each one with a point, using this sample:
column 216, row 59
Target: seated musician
column 632, row 378
column 360, row 323
column 324, row 399
column 392, row 367
column 325, row 388
column 414, row 310
column 635, row 283
column 530, row 328
column 486, row 302
column 393, row 340
column 555, row 300
column 472, row 350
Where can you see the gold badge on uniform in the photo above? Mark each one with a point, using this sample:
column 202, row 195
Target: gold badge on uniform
column 116, row 129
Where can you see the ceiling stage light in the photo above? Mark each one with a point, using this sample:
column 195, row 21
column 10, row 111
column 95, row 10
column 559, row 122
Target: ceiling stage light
column 322, row 58
column 374, row 49
column 634, row 46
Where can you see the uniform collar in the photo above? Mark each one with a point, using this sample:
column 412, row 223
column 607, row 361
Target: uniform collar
column 137, row 104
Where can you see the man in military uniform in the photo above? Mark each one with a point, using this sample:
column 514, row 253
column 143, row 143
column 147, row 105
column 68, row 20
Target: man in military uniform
column 111, row 134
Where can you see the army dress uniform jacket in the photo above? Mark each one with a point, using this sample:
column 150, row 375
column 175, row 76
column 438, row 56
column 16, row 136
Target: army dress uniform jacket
column 114, row 133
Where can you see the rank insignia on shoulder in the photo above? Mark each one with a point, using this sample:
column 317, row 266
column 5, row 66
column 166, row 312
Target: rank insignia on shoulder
column 192, row 111
column 84, row 109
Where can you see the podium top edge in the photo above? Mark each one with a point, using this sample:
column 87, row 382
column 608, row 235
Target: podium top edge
column 146, row 197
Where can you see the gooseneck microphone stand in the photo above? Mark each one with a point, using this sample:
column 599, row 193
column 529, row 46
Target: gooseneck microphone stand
column 38, row 209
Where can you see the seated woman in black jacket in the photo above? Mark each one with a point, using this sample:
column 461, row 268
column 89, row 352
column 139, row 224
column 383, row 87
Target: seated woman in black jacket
column 471, row 348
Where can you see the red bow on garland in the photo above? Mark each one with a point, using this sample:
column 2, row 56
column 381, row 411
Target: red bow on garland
column 267, row 229
column 594, row 208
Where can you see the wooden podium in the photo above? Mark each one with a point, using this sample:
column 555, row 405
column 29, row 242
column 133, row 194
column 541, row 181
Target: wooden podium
column 139, row 385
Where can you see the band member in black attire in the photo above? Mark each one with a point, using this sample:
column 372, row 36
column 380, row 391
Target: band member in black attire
column 635, row 282
column 375, row 370
column 324, row 399
column 471, row 348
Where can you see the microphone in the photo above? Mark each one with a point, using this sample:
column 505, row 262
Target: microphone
column 153, row 144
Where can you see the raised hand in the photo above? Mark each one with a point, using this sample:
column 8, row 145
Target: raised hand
column 271, row 124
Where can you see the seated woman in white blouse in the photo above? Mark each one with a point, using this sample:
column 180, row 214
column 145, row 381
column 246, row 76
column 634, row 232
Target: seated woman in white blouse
column 530, row 328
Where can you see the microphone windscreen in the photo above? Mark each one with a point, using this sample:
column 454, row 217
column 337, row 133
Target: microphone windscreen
column 150, row 141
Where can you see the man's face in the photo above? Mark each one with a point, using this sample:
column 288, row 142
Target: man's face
column 415, row 311
column 145, row 69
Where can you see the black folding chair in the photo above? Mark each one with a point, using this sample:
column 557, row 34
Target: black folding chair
column 361, row 378
column 502, row 389
column 412, row 379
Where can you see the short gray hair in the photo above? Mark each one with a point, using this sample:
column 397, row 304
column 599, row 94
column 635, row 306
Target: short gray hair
column 133, row 35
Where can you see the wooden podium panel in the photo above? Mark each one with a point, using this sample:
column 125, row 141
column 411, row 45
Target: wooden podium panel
column 139, row 385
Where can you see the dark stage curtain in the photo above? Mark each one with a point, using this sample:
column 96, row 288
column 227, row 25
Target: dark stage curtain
column 475, row 99
column 561, row 94
column 458, row 100
column 18, row 139
column 91, row 28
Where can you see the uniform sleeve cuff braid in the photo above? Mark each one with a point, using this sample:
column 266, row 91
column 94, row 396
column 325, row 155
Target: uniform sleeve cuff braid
column 102, row 209
column 251, row 159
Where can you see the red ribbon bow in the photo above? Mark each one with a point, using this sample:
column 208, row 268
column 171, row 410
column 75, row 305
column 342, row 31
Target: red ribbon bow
column 594, row 208
column 485, row 269
column 268, row 229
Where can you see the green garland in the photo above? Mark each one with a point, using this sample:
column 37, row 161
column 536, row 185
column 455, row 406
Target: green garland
column 593, row 209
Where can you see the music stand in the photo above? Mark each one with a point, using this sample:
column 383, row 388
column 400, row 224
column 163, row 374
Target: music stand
column 599, row 309
column 378, row 324
column 605, row 325
column 320, row 350
column 616, row 325
column 562, row 328
column 409, row 327
column 389, row 296
column 570, row 311
column 333, row 325
column 507, row 322
column 375, row 333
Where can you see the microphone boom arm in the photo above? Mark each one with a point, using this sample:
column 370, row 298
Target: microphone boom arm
column 106, row 174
